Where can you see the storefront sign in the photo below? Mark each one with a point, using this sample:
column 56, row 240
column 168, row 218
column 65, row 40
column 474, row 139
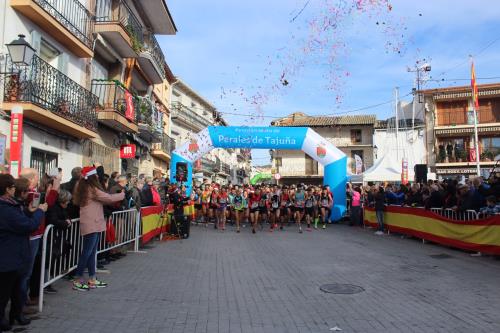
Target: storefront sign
column 16, row 140
column 129, row 111
column 404, row 171
column 127, row 151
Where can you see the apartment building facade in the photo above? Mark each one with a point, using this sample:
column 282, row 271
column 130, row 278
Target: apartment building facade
column 99, row 80
column 450, row 130
column 351, row 134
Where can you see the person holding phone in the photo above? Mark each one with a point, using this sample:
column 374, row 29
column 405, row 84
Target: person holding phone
column 15, row 228
column 91, row 197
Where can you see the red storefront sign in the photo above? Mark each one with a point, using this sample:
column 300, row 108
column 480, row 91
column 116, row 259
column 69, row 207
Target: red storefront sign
column 127, row 151
column 129, row 111
column 472, row 154
column 16, row 141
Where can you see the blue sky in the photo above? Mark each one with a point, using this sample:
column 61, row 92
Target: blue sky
column 225, row 48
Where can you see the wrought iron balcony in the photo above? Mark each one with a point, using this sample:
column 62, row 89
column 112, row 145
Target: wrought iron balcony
column 152, row 60
column 188, row 117
column 63, row 16
column 118, row 24
column 149, row 118
column 51, row 91
column 163, row 149
column 114, row 110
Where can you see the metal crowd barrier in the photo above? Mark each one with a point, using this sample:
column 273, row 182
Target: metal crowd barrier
column 468, row 215
column 61, row 248
column 125, row 227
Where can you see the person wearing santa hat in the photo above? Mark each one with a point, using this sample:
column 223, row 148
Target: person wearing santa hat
column 91, row 197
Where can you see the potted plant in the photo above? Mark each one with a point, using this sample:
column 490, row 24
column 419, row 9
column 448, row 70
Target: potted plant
column 441, row 154
column 487, row 156
column 12, row 88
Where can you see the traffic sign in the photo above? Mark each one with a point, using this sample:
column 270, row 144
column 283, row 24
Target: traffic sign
column 277, row 176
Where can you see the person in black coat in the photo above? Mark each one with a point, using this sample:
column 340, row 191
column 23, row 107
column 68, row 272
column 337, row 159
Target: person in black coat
column 435, row 200
column 146, row 194
column 76, row 174
column 57, row 215
column 15, row 229
column 379, row 209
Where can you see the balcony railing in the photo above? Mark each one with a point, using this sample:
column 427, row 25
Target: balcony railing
column 450, row 118
column 189, row 117
column 111, row 95
column 151, row 45
column 50, row 89
column 148, row 114
column 167, row 144
column 72, row 15
column 117, row 11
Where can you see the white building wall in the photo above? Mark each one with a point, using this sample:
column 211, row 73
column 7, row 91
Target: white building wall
column 409, row 144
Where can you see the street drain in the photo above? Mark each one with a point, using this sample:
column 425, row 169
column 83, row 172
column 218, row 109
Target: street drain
column 440, row 256
column 342, row 289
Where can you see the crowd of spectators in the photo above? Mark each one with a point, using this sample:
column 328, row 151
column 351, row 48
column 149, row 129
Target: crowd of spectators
column 32, row 202
column 475, row 194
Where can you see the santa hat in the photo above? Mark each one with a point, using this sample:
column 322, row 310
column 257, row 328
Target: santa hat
column 88, row 171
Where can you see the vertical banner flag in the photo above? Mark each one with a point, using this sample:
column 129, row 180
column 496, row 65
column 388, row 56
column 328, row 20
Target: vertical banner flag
column 16, row 140
column 472, row 154
column 475, row 95
column 129, row 111
column 404, row 171
column 359, row 164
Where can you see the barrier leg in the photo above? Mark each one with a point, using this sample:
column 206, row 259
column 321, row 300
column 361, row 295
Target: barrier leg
column 137, row 233
column 42, row 273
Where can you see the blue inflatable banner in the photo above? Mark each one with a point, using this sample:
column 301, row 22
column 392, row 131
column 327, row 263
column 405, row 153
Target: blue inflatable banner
column 293, row 138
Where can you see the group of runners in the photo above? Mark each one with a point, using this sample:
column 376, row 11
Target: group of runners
column 274, row 205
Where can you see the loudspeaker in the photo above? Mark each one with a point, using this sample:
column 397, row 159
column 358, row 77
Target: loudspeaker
column 420, row 173
column 183, row 223
column 180, row 171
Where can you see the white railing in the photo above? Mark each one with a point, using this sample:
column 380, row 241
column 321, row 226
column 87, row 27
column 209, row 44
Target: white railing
column 125, row 224
column 468, row 215
column 61, row 248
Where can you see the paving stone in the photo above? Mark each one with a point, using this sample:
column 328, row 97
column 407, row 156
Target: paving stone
column 269, row 282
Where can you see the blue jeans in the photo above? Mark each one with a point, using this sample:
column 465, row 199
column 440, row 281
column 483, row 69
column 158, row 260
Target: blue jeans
column 88, row 255
column 27, row 270
column 380, row 219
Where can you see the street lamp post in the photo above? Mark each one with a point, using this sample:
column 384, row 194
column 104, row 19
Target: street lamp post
column 20, row 51
column 21, row 55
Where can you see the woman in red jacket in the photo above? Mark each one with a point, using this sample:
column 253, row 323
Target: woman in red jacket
column 90, row 196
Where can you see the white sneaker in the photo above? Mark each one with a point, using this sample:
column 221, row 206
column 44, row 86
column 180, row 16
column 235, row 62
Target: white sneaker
column 379, row 233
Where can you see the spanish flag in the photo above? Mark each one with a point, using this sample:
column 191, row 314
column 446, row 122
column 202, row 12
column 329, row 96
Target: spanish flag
column 475, row 96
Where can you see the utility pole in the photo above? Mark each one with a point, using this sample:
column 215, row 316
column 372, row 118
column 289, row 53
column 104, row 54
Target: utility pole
column 418, row 70
column 396, row 93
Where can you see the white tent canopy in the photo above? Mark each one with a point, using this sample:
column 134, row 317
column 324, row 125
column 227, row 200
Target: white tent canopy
column 385, row 169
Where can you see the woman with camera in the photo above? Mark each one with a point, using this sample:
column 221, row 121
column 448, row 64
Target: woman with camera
column 15, row 229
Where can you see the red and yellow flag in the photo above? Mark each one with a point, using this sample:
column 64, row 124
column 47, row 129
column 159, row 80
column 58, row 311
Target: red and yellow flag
column 475, row 95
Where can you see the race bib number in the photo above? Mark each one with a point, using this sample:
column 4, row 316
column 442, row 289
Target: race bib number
column 309, row 204
column 255, row 205
column 275, row 204
column 324, row 202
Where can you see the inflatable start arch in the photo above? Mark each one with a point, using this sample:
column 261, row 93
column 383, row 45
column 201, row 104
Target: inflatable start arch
column 304, row 138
